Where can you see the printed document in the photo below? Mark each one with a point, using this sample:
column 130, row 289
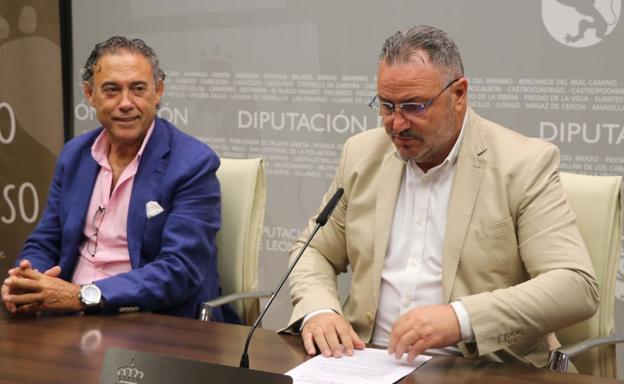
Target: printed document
column 365, row 366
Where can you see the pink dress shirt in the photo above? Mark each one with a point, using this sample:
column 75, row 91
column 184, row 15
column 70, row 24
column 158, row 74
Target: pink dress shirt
column 107, row 218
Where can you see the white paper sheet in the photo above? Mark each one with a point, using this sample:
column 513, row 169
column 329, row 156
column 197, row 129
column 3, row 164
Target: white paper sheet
column 365, row 366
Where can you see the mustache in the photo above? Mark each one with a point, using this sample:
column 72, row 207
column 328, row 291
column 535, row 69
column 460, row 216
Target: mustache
column 407, row 134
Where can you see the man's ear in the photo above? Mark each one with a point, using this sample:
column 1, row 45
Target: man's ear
column 87, row 90
column 160, row 88
column 460, row 90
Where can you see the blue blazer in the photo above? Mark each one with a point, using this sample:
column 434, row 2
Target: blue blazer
column 173, row 254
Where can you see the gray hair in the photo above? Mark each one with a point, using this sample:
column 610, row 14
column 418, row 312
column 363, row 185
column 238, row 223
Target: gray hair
column 443, row 52
column 118, row 44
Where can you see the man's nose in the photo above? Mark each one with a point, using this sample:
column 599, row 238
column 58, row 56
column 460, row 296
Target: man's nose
column 399, row 122
column 126, row 103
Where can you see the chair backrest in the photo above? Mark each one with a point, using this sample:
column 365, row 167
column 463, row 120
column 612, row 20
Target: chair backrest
column 243, row 197
column 596, row 201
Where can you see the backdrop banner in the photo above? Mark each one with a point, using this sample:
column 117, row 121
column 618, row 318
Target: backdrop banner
column 31, row 117
column 289, row 81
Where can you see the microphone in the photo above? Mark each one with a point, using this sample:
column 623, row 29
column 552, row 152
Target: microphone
column 321, row 220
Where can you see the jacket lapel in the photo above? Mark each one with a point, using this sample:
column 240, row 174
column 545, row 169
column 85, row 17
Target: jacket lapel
column 74, row 226
column 392, row 170
column 151, row 168
column 471, row 167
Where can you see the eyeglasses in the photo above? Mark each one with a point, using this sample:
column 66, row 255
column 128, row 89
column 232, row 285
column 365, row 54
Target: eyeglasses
column 92, row 241
column 387, row 109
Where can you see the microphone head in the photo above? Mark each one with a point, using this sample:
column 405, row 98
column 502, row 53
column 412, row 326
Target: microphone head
column 322, row 218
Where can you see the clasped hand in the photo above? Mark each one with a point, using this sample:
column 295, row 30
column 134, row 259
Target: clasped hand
column 28, row 290
column 432, row 326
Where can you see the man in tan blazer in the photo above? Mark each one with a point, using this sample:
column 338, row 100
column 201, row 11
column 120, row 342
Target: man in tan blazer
column 457, row 230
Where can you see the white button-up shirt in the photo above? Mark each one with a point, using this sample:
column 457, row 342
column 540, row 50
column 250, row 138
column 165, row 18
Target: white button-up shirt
column 412, row 272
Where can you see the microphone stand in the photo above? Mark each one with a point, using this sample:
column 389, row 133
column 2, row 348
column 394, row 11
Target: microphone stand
column 320, row 221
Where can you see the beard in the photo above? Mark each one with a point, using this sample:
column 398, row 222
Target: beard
column 436, row 146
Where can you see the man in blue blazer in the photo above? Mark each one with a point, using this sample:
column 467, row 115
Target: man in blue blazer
column 133, row 207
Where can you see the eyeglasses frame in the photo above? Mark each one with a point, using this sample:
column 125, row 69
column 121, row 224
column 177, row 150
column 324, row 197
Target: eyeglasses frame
column 97, row 223
column 419, row 108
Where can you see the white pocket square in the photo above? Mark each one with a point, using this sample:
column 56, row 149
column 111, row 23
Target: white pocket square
column 152, row 208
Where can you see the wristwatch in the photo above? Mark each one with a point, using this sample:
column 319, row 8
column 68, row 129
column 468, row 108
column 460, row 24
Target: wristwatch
column 90, row 295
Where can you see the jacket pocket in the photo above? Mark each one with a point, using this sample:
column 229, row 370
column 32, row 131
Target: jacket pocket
column 499, row 228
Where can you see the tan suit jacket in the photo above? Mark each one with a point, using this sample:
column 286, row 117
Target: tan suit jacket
column 512, row 252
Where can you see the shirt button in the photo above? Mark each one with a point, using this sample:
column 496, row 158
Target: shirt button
column 419, row 221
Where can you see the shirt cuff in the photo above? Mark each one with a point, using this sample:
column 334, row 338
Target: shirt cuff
column 465, row 327
column 314, row 313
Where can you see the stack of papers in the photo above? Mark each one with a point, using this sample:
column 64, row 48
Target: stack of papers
column 365, row 366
